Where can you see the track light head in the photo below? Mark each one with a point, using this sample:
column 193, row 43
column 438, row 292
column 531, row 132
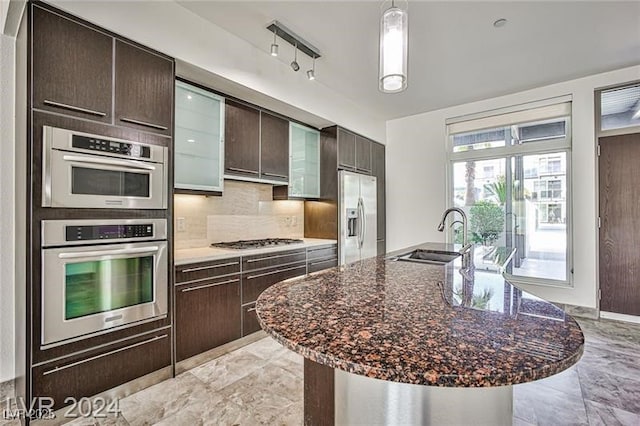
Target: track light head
column 295, row 66
column 274, row 49
column 311, row 75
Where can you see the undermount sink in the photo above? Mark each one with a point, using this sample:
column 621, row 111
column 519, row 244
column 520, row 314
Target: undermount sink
column 437, row 257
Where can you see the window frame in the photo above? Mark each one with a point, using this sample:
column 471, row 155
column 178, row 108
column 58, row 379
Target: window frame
column 547, row 146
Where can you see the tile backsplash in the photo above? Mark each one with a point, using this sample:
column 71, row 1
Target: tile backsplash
column 245, row 211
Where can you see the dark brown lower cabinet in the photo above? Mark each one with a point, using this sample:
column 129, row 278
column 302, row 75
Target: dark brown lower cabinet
column 207, row 315
column 322, row 257
column 255, row 282
column 97, row 371
column 249, row 319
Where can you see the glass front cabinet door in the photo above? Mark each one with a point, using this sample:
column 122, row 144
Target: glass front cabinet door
column 304, row 161
column 199, row 152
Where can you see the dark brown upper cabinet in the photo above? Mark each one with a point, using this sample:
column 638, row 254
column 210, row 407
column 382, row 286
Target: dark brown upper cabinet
column 363, row 154
column 144, row 89
column 242, row 140
column 72, row 67
column 274, row 147
column 346, row 149
column 354, row 152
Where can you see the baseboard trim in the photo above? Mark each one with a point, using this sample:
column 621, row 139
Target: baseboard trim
column 582, row 311
column 620, row 317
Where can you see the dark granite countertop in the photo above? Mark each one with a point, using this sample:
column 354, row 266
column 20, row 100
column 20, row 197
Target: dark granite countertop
column 422, row 324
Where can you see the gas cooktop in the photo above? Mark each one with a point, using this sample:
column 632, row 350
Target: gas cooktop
column 249, row 244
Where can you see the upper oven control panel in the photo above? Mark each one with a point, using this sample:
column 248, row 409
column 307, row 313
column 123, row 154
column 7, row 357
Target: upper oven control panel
column 107, row 232
column 114, row 147
column 57, row 233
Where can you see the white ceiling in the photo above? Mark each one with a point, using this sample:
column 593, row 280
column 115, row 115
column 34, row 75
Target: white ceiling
column 455, row 54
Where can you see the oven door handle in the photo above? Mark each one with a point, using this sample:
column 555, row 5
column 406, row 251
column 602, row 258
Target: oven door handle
column 130, row 164
column 135, row 250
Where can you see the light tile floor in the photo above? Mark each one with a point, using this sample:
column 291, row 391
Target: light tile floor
column 262, row 384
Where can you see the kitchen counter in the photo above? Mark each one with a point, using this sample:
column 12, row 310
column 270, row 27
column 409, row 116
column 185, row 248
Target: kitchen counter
column 204, row 254
column 422, row 324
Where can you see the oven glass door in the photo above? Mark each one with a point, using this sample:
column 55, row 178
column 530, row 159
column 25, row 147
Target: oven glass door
column 90, row 289
column 94, row 181
column 95, row 286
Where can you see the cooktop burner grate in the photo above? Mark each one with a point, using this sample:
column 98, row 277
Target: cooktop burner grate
column 249, row 244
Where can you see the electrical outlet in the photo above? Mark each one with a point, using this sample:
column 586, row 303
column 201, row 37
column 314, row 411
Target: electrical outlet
column 294, row 221
column 181, row 224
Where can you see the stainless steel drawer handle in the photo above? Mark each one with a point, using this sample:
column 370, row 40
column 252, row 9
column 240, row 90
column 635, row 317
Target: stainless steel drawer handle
column 200, row 287
column 93, row 358
column 143, row 123
column 250, row 277
column 74, row 108
column 236, row 169
column 251, row 309
column 275, row 175
column 333, row 259
column 273, row 257
column 203, row 268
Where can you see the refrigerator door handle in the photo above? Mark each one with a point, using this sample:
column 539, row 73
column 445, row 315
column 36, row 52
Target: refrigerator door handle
column 361, row 213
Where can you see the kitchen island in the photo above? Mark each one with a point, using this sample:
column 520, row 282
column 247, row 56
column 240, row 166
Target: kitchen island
column 394, row 342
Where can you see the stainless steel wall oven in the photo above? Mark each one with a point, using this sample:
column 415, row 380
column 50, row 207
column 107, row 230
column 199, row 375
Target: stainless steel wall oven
column 101, row 274
column 92, row 171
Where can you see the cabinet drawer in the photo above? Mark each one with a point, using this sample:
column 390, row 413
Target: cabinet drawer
column 249, row 320
column 89, row 375
column 195, row 272
column 254, row 283
column 267, row 260
column 322, row 252
column 320, row 264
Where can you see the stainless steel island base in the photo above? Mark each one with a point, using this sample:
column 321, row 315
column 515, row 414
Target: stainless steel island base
column 361, row 400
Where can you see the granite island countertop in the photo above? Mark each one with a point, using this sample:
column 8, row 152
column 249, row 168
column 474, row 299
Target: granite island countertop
column 422, row 324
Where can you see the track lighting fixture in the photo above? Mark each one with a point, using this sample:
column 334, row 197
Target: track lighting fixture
column 274, row 45
column 297, row 42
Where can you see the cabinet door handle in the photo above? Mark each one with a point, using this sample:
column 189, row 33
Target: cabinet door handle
column 93, row 358
column 143, row 123
column 250, row 277
column 332, row 259
column 236, row 169
column 363, row 170
column 275, row 175
column 202, row 268
column 273, row 257
column 251, row 309
column 200, row 287
column 74, row 108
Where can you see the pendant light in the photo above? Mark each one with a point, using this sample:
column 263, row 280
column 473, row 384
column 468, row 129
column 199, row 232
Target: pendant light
column 393, row 50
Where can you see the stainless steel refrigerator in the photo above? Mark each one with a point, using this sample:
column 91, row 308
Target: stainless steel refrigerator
column 357, row 217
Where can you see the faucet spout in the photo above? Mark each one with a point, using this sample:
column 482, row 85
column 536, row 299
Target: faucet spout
column 465, row 239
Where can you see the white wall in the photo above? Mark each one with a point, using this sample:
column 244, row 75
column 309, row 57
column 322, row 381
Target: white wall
column 7, row 247
column 416, row 176
column 178, row 32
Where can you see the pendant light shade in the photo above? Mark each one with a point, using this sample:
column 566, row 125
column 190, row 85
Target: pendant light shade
column 393, row 50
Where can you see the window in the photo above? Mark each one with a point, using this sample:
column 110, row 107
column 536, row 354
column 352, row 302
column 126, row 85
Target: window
column 519, row 174
column 619, row 108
